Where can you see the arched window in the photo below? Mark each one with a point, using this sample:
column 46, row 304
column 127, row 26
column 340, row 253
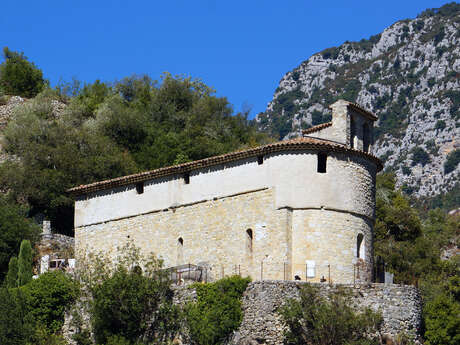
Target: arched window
column 360, row 251
column 366, row 137
column 249, row 241
column 180, row 251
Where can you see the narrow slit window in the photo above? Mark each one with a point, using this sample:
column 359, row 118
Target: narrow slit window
column 249, row 241
column 140, row 187
column 322, row 160
column 260, row 160
column 352, row 133
column 187, row 178
column 366, row 138
column 360, row 246
column 180, row 251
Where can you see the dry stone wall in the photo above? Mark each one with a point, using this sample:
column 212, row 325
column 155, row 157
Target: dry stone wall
column 400, row 306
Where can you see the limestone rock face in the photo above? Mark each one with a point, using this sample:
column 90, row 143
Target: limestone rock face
column 408, row 75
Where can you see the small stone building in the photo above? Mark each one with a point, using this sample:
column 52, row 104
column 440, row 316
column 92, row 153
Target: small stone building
column 296, row 209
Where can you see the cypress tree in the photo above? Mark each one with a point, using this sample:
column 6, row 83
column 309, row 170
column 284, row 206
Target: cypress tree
column 25, row 263
column 12, row 275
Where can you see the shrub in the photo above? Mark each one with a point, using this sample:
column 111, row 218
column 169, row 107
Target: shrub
column 330, row 53
column 419, row 155
column 128, row 305
column 453, row 158
column 440, row 125
column 316, row 320
column 406, row 170
column 218, row 310
column 19, row 76
column 47, row 298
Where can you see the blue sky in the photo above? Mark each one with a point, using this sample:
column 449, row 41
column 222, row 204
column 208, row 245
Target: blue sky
column 240, row 48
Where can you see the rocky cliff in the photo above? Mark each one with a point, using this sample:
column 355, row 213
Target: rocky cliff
column 408, row 76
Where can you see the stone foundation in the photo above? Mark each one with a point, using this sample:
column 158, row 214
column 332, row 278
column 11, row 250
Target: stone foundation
column 400, row 305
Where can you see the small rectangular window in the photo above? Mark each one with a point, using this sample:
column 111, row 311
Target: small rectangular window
column 322, row 159
column 140, row 187
column 187, row 178
column 260, row 160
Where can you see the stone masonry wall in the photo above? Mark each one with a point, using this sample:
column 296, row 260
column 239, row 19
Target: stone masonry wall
column 328, row 240
column 400, row 306
column 212, row 232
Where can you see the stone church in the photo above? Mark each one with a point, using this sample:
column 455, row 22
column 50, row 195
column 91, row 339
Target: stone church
column 296, row 209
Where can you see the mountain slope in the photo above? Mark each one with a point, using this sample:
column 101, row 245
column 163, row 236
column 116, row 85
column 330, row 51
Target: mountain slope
column 409, row 76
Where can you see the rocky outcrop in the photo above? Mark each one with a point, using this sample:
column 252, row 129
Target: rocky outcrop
column 409, row 75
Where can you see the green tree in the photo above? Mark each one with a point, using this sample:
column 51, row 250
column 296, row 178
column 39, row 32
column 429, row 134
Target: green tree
column 56, row 155
column 12, row 275
column 14, row 227
column 316, row 320
column 130, row 304
column 47, row 298
column 16, row 327
column 25, row 263
column 110, row 131
column 19, row 76
column 453, row 158
column 442, row 320
column 217, row 313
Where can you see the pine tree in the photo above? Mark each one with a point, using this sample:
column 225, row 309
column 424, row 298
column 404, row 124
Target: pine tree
column 19, row 76
column 25, row 263
column 12, row 275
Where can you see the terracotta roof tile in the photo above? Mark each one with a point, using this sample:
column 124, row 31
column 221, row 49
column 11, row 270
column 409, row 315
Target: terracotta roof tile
column 293, row 144
column 317, row 128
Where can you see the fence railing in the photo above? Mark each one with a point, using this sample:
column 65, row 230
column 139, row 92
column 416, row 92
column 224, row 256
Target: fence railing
column 311, row 272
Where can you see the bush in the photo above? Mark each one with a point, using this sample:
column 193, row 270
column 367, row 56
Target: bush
column 453, row 158
column 15, row 327
column 217, row 313
column 440, row 125
column 48, row 296
column 420, row 156
column 19, row 76
column 316, row 320
column 129, row 306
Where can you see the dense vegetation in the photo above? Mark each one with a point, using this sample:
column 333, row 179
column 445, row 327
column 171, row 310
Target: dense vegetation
column 19, row 76
column 14, row 227
column 217, row 313
column 411, row 243
column 315, row 320
column 33, row 310
column 110, row 130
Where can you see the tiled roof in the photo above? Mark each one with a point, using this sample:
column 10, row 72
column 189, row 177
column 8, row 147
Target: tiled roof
column 317, row 128
column 293, row 144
